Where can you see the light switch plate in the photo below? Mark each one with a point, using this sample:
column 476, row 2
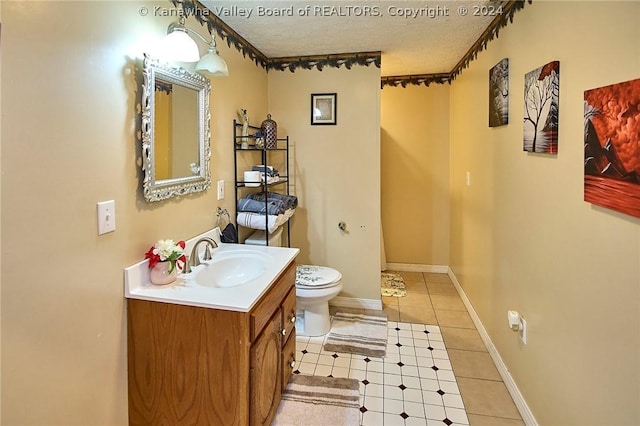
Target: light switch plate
column 106, row 217
column 220, row 189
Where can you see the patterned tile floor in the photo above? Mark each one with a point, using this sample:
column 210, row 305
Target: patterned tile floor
column 420, row 382
column 413, row 384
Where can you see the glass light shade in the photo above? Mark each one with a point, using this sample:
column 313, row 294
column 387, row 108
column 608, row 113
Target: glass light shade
column 213, row 64
column 178, row 46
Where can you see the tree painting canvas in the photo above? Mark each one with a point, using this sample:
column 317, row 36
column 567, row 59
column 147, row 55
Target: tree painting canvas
column 541, row 93
column 612, row 147
column 499, row 94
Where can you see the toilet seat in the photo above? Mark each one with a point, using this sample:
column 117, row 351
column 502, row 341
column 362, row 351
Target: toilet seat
column 311, row 277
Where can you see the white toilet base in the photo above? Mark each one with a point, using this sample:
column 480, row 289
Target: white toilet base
column 315, row 286
column 316, row 320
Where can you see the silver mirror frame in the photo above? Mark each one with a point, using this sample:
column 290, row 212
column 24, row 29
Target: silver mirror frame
column 157, row 190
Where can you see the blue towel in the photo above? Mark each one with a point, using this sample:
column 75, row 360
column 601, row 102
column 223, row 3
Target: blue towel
column 272, row 206
column 289, row 201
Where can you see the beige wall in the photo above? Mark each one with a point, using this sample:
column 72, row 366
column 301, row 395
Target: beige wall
column 68, row 142
column 0, row 220
column 523, row 238
column 336, row 171
column 415, row 174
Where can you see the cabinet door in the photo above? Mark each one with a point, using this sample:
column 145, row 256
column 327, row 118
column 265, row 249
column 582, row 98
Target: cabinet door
column 288, row 360
column 266, row 373
column 289, row 315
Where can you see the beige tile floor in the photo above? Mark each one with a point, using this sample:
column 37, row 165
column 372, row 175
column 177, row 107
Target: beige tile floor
column 432, row 299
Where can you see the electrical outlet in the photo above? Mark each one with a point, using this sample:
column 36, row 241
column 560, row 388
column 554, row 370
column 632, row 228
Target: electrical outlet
column 468, row 178
column 106, row 217
column 220, row 189
column 523, row 330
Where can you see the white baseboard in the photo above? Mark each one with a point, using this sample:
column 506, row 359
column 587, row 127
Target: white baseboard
column 518, row 399
column 351, row 302
column 414, row 267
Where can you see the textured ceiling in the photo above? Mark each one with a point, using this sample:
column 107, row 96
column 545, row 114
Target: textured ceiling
column 415, row 37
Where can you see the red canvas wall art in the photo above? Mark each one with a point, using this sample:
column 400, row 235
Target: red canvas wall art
column 612, row 147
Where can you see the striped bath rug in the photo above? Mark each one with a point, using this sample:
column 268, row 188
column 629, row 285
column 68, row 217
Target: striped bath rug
column 316, row 400
column 357, row 334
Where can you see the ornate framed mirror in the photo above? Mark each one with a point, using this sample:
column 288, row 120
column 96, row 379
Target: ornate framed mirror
column 176, row 131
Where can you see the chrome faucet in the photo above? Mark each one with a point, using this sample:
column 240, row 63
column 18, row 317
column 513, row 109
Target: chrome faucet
column 194, row 259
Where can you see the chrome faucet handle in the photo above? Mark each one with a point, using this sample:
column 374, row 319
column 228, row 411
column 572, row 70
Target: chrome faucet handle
column 186, row 268
column 207, row 252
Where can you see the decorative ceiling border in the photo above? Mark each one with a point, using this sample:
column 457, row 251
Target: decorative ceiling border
column 320, row 61
column 205, row 17
column 509, row 8
column 416, row 79
column 225, row 32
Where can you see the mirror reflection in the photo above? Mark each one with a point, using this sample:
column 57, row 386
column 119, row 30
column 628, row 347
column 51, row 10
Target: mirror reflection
column 176, row 131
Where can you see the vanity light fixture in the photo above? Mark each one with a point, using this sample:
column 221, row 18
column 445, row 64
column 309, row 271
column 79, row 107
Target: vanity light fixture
column 212, row 63
column 179, row 46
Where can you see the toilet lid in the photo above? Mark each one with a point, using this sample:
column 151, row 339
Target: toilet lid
column 312, row 276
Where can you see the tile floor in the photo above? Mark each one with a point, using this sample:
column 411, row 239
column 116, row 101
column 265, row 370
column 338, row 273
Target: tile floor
column 437, row 370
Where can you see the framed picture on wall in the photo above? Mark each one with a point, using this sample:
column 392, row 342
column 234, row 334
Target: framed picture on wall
column 541, row 107
column 612, row 147
column 324, row 108
column 499, row 94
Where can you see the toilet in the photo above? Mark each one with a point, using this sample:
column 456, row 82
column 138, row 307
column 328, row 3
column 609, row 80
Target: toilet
column 315, row 286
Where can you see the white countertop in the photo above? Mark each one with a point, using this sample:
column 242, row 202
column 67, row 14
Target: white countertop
column 185, row 291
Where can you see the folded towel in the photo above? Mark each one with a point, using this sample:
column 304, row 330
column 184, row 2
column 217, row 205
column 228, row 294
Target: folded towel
column 290, row 201
column 268, row 170
column 260, row 221
column 274, row 207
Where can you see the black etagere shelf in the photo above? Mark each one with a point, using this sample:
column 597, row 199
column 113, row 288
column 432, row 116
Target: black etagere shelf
column 281, row 186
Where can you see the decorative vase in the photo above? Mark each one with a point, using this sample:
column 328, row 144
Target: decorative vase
column 160, row 275
column 269, row 130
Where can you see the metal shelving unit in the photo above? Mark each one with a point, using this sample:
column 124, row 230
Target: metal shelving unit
column 266, row 154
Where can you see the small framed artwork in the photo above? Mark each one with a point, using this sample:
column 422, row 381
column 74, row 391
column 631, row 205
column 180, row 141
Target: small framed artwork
column 541, row 107
column 499, row 94
column 324, row 108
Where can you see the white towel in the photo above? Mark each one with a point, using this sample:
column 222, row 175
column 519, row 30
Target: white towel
column 257, row 221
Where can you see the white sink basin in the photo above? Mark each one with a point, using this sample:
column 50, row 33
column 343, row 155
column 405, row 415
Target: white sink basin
column 234, row 280
column 233, row 269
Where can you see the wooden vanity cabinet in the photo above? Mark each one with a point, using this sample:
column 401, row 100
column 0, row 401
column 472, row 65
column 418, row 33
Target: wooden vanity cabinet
column 200, row 366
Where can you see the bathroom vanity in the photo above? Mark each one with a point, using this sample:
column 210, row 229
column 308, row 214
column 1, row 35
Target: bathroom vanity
column 207, row 365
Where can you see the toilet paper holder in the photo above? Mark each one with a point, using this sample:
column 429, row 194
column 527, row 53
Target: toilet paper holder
column 514, row 320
